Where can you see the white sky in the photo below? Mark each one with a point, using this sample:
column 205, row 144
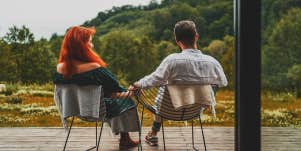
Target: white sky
column 45, row 17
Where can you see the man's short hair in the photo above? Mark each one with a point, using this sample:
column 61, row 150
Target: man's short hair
column 185, row 32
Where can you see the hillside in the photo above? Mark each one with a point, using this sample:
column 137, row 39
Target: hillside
column 134, row 39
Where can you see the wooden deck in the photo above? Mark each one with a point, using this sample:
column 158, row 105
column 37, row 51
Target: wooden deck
column 178, row 138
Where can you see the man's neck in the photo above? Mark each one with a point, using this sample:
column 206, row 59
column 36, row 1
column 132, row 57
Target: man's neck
column 189, row 47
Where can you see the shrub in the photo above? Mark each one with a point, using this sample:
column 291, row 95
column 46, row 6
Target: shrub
column 281, row 97
column 34, row 86
column 10, row 89
column 13, row 100
column 41, row 93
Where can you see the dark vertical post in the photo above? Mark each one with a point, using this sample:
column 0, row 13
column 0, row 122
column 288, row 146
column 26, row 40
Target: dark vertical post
column 247, row 76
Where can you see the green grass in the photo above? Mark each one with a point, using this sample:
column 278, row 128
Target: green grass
column 37, row 109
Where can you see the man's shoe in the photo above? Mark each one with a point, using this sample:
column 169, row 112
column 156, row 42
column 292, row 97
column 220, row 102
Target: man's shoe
column 152, row 140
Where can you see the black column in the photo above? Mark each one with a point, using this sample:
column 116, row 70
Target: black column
column 247, row 86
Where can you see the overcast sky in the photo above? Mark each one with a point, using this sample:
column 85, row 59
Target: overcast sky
column 45, row 17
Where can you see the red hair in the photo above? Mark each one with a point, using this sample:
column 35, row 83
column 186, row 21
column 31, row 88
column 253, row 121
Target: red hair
column 76, row 46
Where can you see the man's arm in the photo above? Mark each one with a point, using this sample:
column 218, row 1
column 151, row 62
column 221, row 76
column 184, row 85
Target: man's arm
column 221, row 80
column 158, row 77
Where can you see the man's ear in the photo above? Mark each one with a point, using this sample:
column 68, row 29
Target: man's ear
column 180, row 44
column 196, row 37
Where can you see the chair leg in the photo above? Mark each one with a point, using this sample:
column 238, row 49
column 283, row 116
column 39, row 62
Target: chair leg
column 142, row 116
column 140, row 127
column 68, row 134
column 204, row 142
column 96, row 133
column 163, row 133
column 192, row 134
column 95, row 138
column 97, row 145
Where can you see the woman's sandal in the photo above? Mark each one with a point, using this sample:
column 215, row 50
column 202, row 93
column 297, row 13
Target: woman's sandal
column 151, row 139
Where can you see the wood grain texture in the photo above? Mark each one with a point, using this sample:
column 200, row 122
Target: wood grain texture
column 177, row 139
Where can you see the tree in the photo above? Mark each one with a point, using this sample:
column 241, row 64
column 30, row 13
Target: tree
column 19, row 40
column 26, row 60
column 227, row 59
column 272, row 11
column 283, row 50
column 55, row 43
column 216, row 48
column 165, row 48
column 7, row 63
column 128, row 56
column 223, row 51
column 294, row 74
column 21, row 36
column 38, row 63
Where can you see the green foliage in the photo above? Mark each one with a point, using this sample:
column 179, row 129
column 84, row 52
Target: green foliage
column 279, row 96
column 272, row 11
column 10, row 89
column 19, row 36
column 41, row 93
column 13, row 100
column 39, row 63
column 55, row 43
column 132, row 40
column 216, row 48
column 294, row 74
column 282, row 51
column 7, row 63
column 128, row 56
column 164, row 48
column 24, row 60
column 223, row 50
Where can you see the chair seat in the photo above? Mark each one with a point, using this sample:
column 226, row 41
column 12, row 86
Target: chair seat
column 158, row 100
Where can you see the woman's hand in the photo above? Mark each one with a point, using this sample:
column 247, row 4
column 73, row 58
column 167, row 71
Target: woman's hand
column 122, row 95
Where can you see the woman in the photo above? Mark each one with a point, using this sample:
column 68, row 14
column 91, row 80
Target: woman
column 79, row 64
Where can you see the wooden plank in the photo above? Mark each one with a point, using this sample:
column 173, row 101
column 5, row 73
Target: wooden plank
column 177, row 138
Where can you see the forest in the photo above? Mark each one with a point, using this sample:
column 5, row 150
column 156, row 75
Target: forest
column 141, row 36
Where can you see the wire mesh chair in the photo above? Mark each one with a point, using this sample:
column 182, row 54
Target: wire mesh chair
column 158, row 101
column 102, row 118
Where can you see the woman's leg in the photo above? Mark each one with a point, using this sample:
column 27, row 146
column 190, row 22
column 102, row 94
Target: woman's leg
column 123, row 124
column 126, row 141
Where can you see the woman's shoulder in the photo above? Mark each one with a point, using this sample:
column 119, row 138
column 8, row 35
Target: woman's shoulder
column 59, row 68
column 85, row 73
column 80, row 67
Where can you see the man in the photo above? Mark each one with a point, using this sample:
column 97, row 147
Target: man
column 190, row 66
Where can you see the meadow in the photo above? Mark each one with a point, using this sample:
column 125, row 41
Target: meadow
column 33, row 106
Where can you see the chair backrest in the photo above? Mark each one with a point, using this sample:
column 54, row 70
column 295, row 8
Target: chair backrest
column 84, row 102
column 159, row 101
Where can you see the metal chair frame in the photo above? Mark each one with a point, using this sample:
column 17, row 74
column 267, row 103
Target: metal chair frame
column 151, row 109
column 99, row 137
column 97, row 141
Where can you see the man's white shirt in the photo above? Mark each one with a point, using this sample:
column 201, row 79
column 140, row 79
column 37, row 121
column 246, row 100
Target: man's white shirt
column 190, row 66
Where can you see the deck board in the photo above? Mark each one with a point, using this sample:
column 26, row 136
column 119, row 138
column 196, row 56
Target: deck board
column 177, row 138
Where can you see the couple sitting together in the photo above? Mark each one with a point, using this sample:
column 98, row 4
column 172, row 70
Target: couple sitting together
column 79, row 64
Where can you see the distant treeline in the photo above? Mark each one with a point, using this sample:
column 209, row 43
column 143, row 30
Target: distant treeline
column 134, row 39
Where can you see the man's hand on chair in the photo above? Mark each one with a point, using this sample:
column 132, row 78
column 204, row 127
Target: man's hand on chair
column 133, row 87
